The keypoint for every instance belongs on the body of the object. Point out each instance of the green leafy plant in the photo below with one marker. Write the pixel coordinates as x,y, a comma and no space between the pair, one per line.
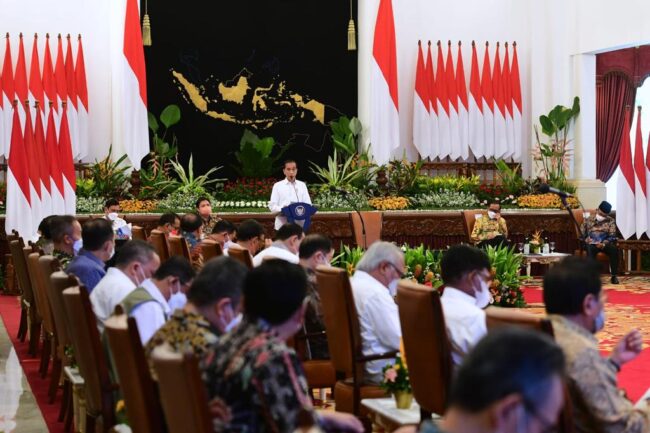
506,281
345,132
180,201
187,182
423,265
340,175
163,148
403,176
90,204
247,189
511,180
325,199
85,187
445,199
447,183
110,177
396,376
347,258
255,158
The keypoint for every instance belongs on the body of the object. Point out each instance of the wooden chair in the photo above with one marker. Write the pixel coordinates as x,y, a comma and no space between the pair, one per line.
178,247
91,359
137,232
426,346
469,219
320,373
210,249
178,375
241,254
11,286
159,242
344,341
29,308
602,258
138,388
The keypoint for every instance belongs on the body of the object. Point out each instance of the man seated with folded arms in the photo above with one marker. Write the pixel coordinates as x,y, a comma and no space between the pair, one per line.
134,262
98,248
191,230
250,236
466,273
66,238
148,303
169,223
373,286
286,245
212,309
251,373
511,382
576,305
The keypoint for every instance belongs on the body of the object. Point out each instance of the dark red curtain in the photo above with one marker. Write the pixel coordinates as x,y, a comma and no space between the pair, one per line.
613,94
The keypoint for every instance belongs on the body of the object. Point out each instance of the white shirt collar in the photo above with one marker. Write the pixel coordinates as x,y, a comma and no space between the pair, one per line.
363,275
155,293
453,293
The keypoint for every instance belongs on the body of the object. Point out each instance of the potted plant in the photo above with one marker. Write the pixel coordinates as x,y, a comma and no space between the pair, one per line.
396,381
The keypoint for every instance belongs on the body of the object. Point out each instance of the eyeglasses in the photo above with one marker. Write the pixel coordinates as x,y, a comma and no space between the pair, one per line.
547,427
399,271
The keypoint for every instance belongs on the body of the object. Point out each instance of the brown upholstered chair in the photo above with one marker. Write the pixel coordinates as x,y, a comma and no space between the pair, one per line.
159,242
426,346
91,359
27,300
320,373
137,232
344,341
210,249
11,286
602,258
138,389
178,375
178,247
469,219
241,254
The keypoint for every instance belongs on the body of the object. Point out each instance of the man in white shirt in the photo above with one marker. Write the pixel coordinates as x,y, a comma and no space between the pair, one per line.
287,191
134,262
121,228
285,247
250,236
466,273
373,283
148,304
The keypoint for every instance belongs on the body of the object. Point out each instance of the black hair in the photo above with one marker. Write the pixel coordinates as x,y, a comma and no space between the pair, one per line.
168,218
223,226
175,266
274,291
111,202
494,201
288,161
287,230
132,251
249,229
44,227
221,277
190,222
201,199
60,226
460,259
95,232
507,361
568,283
312,244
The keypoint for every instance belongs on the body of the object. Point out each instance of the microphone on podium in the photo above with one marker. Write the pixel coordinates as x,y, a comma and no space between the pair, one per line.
545,188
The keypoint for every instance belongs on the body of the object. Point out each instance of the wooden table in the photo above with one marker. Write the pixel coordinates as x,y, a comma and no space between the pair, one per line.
544,259
385,415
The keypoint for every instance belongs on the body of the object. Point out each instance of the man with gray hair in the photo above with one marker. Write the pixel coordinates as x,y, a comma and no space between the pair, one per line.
373,285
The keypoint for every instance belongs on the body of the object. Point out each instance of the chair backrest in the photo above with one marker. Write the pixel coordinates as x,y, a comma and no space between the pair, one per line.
89,355
178,247
496,317
178,375
39,286
138,389
469,219
20,265
210,249
580,218
341,320
137,232
426,345
159,242
241,254
59,281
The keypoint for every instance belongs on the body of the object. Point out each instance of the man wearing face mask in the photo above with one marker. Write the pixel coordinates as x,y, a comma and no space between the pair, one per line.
491,230
98,248
149,303
66,238
250,236
373,285
465,270
212,309
600,232
134,262
575,303
285,247
120,227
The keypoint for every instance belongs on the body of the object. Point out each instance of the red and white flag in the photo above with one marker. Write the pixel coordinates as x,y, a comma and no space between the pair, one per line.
647,182
67,164
454,128
507,93
475,110
73,117
444,133
463,105
8,96
3,143
61,83
421,113
384,133
20,81
640,186
49,83
56,176
500,140
488,105
43,165
517,104
82,105
34,169
18,185
625,201
35,83
433,106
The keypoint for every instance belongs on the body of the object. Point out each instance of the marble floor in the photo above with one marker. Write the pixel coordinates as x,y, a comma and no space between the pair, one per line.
19,411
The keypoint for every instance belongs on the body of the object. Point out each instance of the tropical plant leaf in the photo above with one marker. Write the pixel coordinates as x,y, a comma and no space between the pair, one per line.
171,115
153,123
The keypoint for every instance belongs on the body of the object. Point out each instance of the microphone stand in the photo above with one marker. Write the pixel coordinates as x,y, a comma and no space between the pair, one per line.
356,208
581,234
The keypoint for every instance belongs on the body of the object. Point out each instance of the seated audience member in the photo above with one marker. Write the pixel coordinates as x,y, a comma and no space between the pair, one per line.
286,245
148,303
511,382
315,250
373,285
212,309
111,211
134,263
251,371
191,230
66,238
44,241
221,233
250,236
490,230
204,210
169,223
575,303
466,273
98,248
232,235
600,237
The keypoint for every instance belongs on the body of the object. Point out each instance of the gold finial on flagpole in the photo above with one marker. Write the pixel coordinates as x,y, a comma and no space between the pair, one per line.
352,32
146,26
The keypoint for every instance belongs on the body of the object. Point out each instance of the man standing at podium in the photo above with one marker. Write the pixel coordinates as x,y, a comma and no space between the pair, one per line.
287,191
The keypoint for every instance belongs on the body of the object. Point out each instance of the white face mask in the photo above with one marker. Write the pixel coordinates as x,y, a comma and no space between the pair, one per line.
234,322
112,252
77,245
139,274
599,322
177,301
483,296
392,287
112,216
599,218
492,215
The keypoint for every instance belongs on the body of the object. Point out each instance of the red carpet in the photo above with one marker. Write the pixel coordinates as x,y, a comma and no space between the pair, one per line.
628,305
10,313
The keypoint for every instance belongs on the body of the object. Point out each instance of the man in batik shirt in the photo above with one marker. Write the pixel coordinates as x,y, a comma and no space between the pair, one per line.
66,238
490,229
600,237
